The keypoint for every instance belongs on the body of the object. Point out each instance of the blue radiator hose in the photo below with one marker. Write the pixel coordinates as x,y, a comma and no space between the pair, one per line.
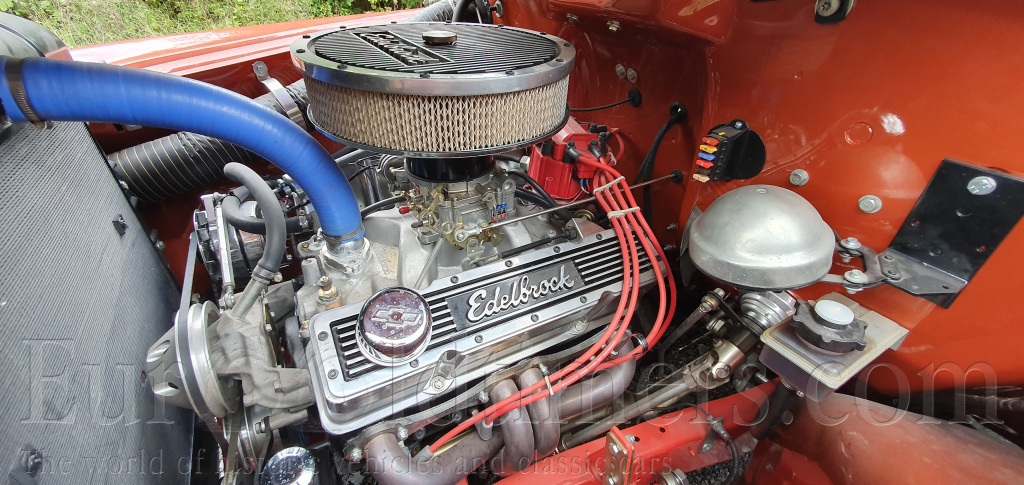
79,91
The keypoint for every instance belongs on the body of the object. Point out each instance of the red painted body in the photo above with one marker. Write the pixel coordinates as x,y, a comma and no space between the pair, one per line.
870,105
666,442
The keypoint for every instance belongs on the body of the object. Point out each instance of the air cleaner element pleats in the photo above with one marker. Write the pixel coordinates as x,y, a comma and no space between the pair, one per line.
388,89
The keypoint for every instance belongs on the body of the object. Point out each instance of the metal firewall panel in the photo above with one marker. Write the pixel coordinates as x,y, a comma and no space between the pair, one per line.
83,295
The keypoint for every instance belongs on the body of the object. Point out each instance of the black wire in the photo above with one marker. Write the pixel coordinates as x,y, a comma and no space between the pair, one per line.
376,206
360,172
598,108
304,204
697,407
677,114
734,470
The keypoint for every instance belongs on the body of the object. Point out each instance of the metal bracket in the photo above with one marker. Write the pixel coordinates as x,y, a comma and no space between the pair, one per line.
444,372
291,110
960,219
618,458
709,438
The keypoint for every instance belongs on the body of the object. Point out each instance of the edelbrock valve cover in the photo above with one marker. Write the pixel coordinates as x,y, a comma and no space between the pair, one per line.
484,319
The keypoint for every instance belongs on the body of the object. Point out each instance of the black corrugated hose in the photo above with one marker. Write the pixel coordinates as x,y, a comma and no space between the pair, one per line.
183,161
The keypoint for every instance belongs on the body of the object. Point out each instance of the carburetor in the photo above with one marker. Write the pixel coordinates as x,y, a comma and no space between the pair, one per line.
452,210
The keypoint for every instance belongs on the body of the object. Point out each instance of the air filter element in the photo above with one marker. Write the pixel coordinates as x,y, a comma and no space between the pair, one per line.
436,90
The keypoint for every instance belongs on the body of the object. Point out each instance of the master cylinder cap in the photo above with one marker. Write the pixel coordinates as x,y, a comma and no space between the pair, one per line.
762,237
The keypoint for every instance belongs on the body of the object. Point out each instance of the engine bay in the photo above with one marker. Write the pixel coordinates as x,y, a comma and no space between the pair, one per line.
422,262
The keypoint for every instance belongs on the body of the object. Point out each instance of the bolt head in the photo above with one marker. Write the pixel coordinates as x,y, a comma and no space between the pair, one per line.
332,374
401,433
855,276
356,455
620,71
799,177
850,243
982,185
631,75
572,19
32,462
870,204
613,26
825,8
438,383
722,372
322,336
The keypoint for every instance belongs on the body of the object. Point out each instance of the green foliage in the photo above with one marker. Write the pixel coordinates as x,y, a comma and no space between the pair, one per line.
89,22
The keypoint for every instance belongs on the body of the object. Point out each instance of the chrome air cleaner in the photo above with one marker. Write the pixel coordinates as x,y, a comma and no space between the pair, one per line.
436,90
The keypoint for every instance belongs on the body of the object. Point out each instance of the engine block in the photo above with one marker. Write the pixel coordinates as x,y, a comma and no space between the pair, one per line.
483,319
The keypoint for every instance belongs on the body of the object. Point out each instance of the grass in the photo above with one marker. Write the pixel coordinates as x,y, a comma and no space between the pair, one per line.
90,22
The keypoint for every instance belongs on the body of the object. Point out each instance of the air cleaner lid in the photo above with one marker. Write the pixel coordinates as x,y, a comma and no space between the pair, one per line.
400,59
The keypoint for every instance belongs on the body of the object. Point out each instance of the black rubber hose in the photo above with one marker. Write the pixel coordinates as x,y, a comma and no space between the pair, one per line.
528,180
460,10
384,204
533,198
231,205
273,249
184,161
550,202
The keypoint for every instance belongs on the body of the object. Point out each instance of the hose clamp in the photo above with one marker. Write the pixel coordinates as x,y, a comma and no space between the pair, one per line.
12,69
263,274
281,94
640,341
